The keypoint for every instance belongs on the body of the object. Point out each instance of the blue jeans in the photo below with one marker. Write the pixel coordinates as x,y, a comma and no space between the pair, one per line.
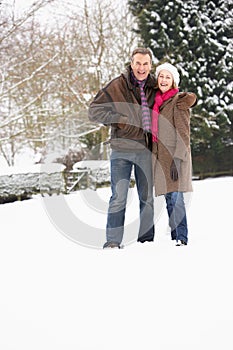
177,216
122,164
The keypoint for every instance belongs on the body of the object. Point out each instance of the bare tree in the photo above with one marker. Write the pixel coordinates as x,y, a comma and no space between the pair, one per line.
110,38
49,74
10,23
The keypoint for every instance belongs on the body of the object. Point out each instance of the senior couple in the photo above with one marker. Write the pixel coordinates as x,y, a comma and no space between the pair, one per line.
150,133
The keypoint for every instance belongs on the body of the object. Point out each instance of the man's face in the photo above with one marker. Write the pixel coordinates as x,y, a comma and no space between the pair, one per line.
141,66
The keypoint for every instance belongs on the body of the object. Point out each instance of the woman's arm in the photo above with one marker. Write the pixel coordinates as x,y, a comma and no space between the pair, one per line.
182,127
186,100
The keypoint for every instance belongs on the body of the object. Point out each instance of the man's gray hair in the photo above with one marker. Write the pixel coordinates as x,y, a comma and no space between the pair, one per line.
141,50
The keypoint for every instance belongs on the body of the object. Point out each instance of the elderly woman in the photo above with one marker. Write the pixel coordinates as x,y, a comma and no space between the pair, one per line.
172,163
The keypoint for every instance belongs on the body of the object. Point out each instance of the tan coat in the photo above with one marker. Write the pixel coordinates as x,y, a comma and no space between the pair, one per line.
173,142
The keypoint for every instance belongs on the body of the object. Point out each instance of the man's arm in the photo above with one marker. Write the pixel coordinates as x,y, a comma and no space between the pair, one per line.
102,110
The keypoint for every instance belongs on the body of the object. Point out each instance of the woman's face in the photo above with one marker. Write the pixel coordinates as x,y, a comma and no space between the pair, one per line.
165,80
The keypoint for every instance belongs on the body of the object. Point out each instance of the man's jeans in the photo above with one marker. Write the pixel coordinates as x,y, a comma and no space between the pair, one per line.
122,164
177,216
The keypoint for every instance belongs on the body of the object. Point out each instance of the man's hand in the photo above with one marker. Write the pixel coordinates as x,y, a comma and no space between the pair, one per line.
175,169
186,100
122,122
121,125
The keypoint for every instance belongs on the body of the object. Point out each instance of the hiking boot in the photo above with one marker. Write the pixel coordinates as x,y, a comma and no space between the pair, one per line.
143,240
180,243
111,245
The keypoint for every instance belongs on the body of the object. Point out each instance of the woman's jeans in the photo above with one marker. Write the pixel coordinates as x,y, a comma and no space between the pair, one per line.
177,216
122,164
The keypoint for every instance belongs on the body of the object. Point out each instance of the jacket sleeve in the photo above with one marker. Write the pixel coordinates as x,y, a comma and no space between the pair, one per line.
102,110
182,126
186,100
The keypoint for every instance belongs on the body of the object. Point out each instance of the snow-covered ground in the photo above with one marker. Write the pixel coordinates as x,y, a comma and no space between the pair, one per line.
58,294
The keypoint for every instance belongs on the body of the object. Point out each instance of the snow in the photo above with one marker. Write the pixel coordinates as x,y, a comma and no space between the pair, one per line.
47,168
26,180
92,164
56,293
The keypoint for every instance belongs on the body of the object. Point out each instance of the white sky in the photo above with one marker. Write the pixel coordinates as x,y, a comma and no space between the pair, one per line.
21,4
27,3
48,13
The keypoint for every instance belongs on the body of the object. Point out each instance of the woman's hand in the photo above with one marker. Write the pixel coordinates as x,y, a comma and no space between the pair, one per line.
175,169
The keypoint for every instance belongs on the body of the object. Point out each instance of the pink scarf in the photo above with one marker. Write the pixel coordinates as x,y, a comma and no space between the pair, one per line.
159,100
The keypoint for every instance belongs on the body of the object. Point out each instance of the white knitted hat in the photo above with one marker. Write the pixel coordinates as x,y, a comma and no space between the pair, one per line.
172,69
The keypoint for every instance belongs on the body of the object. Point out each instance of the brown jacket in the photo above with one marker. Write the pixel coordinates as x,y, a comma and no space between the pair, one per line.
119,104
173,142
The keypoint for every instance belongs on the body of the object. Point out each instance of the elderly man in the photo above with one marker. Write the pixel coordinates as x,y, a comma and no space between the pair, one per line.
125,103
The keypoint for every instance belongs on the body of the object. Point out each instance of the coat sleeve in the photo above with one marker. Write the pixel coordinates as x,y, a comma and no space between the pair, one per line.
186,100
182,126
102,109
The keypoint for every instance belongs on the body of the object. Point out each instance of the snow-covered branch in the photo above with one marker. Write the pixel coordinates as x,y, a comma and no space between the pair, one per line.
33,74
13,119
17,23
